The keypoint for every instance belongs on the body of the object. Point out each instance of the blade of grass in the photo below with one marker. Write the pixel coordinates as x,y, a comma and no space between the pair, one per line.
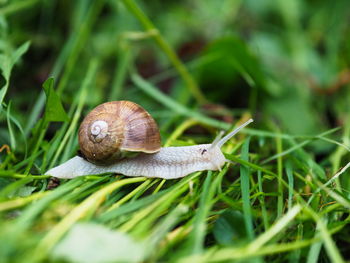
275,229
11,118
298,146
68,58
245,190
160,185
42,131
12,137
13,174
332,179
295,255
328,242
87,206
21,201
28,217
109,216
168,102
256,247
290,177
92,69
337,197
160,232
141,187
124,58
196,237
280,176
142,220
262,203
166,48
10,188
14,7
336,157
180,129
314,252
32,212
248,164
54,111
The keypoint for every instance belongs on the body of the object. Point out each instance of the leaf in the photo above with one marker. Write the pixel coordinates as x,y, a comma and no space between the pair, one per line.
230,58
54,110
4,182
88,242
291,109
229,228
23,191
7,61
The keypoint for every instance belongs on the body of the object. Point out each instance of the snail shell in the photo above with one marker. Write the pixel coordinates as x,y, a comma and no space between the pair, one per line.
115,130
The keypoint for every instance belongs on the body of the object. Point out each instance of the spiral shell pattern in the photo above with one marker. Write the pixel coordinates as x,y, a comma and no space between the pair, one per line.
115,130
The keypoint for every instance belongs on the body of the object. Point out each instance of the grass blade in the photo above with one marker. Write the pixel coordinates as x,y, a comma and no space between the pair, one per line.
245,190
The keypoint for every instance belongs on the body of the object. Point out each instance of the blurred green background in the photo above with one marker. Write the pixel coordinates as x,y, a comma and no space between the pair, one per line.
286,61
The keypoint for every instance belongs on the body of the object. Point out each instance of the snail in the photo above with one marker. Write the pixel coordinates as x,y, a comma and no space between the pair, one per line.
121,137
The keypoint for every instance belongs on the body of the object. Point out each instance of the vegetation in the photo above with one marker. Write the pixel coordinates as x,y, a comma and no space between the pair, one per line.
198,67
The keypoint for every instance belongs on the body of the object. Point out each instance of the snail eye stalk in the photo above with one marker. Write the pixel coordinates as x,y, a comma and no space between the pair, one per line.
222,141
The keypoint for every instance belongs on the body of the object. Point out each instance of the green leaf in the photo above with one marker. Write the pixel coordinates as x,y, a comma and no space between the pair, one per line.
7,61
228,228
230,57
88,242
54,110
23,191
4,182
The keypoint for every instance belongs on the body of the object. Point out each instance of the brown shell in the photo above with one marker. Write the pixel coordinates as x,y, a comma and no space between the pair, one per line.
130,129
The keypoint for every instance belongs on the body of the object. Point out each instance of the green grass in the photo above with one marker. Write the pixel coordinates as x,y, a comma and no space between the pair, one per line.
283,63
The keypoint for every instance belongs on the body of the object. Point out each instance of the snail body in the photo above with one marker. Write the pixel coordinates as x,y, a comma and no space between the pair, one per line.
166,163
